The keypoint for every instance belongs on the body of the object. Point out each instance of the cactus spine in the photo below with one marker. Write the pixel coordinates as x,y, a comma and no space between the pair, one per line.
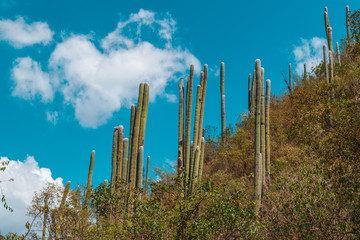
338,53
258,161
135,137
181,126
139,175
119,154
132,121
88,187
326,63
125,159
222,95
267,132
189,87
114,158
348,25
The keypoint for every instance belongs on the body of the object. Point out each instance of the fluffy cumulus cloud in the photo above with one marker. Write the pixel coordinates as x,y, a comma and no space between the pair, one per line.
309,52
28,179
20,34
52,117
97,81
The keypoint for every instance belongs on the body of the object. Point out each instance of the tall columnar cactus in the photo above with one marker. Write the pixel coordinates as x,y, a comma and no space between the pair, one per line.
147,175
262,126
144,111
114,158
180,163
139,175
348,25
327,25
61,209
46,213
267,133
202,154
195,169
222,95
193,164
249,92
132,121
135,137
257,159
202,107
331,67
88,187
305,72
253,94
290,78
330,43
338,53
189,90
326,63
119,158
125,159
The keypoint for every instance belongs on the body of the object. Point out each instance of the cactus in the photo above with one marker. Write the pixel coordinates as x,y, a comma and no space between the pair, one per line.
222,95
253,94
140,161
327,25
325,63
144,111
203,95
147,175
331,67
257,170
338,53
189,90
132,121
114,158
249,92
88,187
125,159
290,78
305,72
262,125
330,43
348,25
181,126
60,210
119,154
46,212
196,164
267,133
135,137
202,154
193,165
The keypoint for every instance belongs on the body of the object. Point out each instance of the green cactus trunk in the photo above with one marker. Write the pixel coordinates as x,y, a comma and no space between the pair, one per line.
338,53
290,79
132,122
114,158
88,187
305,72
326,63
147,176
262,126
202,107
60,210
180,163
189,90
253,94
125,159
331,67
249,92
222,95
135,137
196,168
330,43
193,164
348,25
139,175
327,25
46,213
202,154
267,133
119,158
258,161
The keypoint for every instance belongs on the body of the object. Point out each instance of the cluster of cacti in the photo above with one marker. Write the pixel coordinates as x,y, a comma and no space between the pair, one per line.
262,135
191,156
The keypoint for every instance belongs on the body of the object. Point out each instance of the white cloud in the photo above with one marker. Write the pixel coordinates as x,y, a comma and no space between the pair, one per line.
309,52
98,82
170,97
52,117
20,34
30,81
28,179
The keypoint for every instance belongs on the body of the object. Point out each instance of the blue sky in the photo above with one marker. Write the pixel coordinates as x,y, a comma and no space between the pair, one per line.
69,70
